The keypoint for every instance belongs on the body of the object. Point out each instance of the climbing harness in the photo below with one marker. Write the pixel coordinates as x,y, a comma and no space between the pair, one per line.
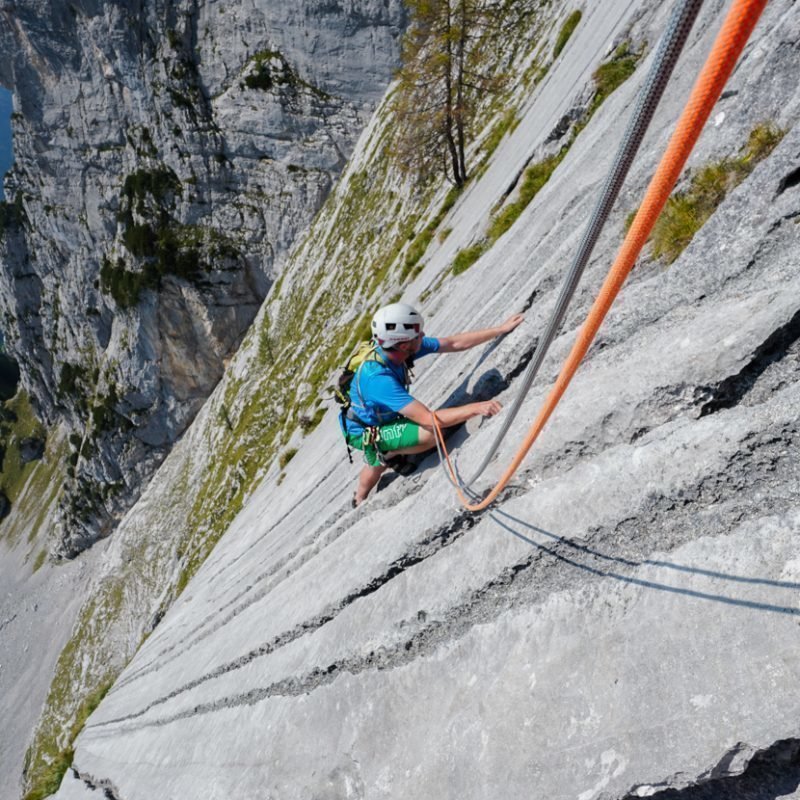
728,46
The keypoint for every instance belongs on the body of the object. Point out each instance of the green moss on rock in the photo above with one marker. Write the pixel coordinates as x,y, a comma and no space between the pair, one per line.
567,29
689,209
160,183
12,215
269,69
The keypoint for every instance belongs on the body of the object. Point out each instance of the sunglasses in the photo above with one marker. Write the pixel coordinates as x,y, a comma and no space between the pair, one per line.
407,326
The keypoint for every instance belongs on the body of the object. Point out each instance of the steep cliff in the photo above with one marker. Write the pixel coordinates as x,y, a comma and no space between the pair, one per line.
622,622
6,154
167,155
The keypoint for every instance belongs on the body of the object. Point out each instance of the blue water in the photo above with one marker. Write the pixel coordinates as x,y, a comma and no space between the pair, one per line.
6,155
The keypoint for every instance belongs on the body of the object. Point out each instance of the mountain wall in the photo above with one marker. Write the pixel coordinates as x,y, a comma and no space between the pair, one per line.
622,623
167,154
6,154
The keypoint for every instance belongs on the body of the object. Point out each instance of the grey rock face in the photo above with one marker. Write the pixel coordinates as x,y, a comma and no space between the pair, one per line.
167,156
623,621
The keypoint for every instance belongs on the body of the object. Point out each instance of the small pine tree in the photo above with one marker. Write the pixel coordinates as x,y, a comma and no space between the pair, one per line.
448,66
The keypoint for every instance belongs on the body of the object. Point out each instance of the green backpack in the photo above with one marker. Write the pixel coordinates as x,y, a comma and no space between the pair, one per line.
365,351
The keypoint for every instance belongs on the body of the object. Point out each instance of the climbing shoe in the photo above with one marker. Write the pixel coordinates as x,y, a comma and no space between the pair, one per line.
402,465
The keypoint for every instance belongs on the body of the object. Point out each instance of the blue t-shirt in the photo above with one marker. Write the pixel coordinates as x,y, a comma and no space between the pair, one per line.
377,392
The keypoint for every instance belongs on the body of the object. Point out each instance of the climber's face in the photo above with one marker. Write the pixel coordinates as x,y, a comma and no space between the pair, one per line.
410,347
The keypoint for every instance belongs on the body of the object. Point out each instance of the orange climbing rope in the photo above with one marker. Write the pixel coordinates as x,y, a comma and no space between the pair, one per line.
728,46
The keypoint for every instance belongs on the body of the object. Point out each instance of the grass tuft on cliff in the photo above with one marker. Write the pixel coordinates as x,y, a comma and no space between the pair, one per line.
24,480
613,73
567,29
688,210
50,771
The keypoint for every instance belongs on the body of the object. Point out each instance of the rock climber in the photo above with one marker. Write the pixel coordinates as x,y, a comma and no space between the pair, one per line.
383,417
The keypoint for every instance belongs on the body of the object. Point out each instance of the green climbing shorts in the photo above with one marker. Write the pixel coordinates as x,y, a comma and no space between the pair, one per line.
394,436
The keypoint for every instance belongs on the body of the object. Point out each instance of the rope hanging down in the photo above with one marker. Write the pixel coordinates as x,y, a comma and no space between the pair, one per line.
672,42
728,46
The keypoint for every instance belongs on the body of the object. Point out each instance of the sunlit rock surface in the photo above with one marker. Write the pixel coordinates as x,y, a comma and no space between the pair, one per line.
624,620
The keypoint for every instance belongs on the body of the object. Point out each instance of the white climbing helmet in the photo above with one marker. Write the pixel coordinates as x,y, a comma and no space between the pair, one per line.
396,323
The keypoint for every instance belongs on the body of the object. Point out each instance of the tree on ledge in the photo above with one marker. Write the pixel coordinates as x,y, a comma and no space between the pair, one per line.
447,68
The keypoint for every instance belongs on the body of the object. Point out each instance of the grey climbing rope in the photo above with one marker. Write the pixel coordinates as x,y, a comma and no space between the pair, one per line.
672,42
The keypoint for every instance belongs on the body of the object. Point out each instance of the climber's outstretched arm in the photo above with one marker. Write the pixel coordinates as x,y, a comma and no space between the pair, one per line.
447,417
463,341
